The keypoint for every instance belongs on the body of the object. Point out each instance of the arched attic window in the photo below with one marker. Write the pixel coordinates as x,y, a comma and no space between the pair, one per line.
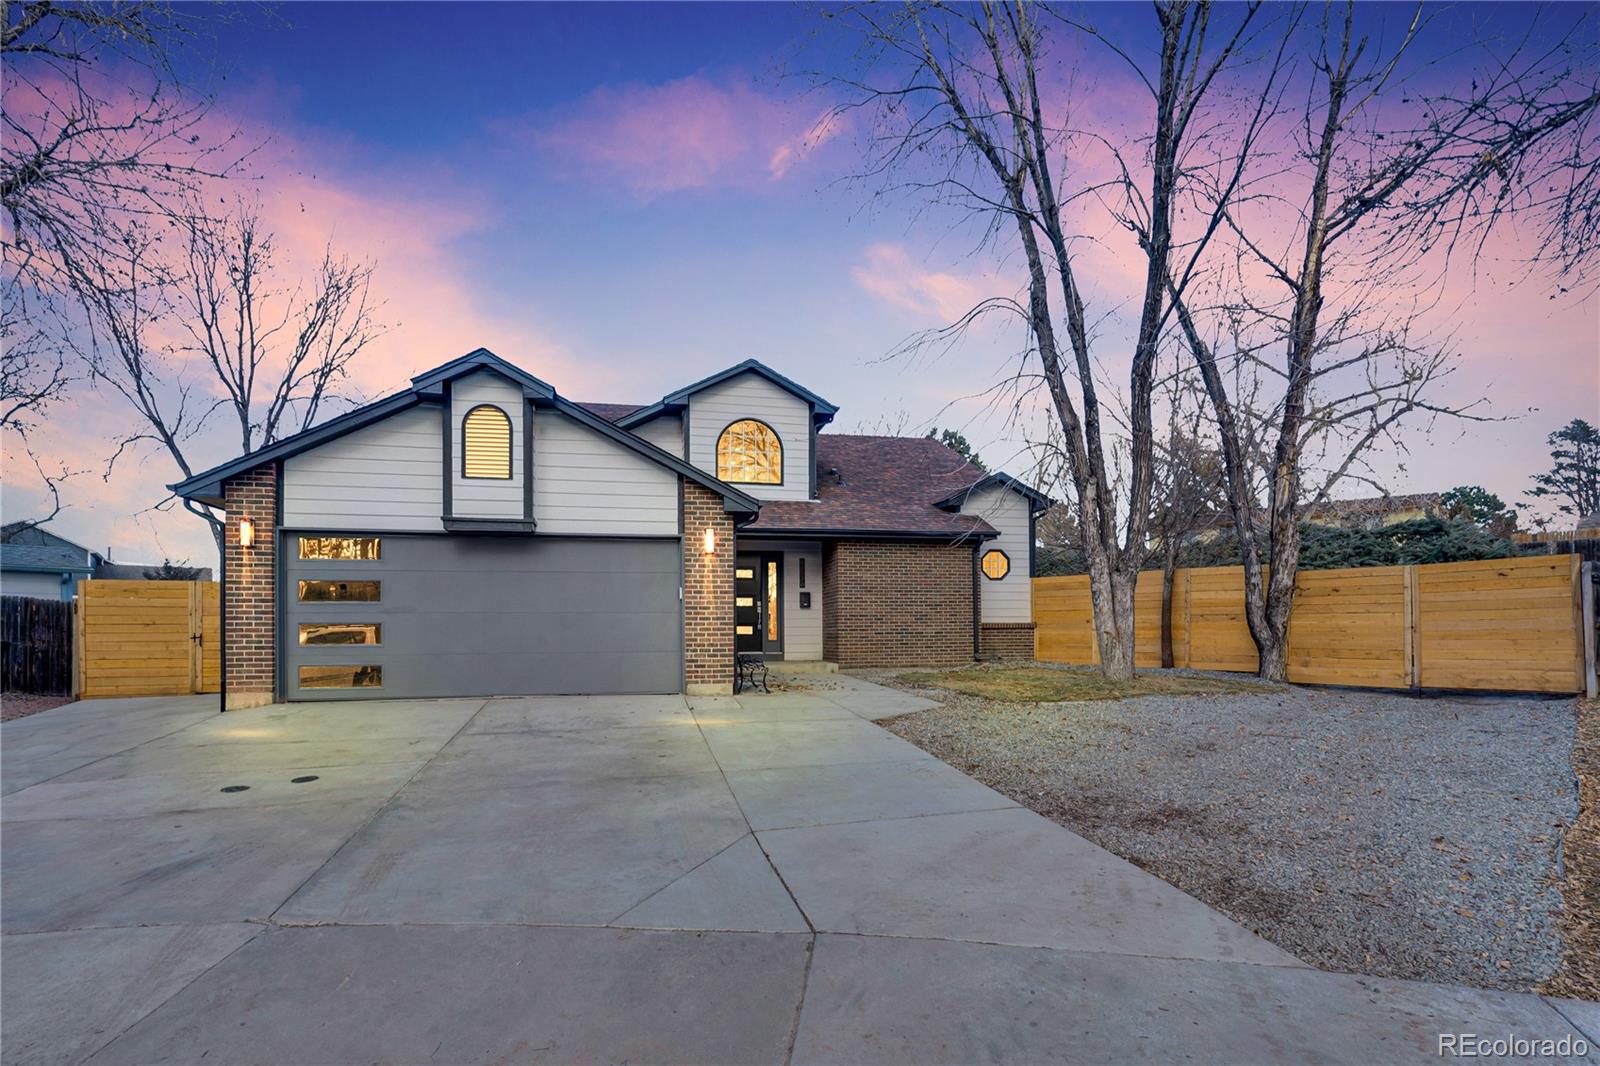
486,443
750,453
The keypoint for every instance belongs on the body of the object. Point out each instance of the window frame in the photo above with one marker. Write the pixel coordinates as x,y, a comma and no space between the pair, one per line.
994,551
511,444
716,451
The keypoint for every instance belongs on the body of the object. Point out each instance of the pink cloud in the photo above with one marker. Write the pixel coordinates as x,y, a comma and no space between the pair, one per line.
693,133
893,276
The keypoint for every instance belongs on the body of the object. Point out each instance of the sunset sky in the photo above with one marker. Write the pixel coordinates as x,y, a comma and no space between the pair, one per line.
623,198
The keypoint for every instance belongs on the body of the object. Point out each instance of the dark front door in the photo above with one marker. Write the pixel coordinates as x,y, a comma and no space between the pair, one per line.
747,579
757,604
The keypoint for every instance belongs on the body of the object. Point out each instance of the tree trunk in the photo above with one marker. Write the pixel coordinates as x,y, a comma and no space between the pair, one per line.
1111,591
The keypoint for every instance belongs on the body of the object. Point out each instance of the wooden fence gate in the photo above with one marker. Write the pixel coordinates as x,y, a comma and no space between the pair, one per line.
148,638
1501,624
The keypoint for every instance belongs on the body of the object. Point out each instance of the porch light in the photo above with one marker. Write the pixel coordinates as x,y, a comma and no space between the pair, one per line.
247,532
709,543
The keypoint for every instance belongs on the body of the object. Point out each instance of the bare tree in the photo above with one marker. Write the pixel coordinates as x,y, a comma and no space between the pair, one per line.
973,89
89,149
275,355
1366,203
1187,493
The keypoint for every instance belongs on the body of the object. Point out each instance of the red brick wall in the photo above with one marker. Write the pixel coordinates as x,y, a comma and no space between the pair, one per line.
896,603
250,589
1006,640
707,593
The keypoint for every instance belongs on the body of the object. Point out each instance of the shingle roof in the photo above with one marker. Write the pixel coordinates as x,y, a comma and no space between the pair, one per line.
881,485
44,558
609,411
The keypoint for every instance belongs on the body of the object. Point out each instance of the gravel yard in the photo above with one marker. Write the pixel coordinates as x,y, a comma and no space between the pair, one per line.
1373,832
21,704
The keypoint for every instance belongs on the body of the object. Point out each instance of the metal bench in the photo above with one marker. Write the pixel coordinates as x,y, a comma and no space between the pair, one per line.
749,670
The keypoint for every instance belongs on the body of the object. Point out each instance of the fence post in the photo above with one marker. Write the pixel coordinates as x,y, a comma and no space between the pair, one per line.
1413,657
1591,686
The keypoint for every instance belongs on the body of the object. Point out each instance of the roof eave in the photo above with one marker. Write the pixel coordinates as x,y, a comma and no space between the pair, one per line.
954,501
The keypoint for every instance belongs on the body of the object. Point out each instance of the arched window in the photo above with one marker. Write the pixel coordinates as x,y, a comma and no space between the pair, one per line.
486,443
749,452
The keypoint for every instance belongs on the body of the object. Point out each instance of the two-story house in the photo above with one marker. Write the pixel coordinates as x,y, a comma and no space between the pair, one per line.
480,534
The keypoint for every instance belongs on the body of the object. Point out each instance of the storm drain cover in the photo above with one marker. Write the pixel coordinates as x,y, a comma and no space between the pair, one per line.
302,780
235,788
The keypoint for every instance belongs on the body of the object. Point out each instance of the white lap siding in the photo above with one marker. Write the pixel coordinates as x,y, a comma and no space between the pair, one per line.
486,497
749,395
386,476
1011,598
665,432
584,482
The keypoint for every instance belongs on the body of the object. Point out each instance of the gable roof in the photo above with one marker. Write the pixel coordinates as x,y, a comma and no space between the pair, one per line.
206,486
27,547
956,500
880,486
822,411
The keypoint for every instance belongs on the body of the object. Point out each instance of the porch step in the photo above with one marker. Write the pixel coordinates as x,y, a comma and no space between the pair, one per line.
804,666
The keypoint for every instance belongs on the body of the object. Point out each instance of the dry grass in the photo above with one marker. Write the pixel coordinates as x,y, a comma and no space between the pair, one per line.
1579,976
1041,684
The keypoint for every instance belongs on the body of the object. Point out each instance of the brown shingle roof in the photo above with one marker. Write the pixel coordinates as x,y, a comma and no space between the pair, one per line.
609,411
881,485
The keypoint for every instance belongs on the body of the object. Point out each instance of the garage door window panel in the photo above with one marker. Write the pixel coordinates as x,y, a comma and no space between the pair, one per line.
340,676
340,633
341,549
317,590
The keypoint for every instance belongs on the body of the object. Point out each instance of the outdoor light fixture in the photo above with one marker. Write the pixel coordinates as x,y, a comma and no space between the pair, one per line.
247,532
710,541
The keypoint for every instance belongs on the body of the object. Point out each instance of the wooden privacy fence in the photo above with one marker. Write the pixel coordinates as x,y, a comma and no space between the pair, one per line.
148,638
1504,624
35,646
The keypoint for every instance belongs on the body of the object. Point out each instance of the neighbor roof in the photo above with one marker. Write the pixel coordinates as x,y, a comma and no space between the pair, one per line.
44,558
207,485
880,486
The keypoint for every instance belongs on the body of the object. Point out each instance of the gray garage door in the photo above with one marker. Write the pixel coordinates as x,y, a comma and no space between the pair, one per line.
481,616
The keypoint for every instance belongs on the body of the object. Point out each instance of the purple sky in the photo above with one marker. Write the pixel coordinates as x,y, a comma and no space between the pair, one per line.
622,199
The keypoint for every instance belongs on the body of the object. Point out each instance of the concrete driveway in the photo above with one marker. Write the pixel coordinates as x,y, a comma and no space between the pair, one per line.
754,879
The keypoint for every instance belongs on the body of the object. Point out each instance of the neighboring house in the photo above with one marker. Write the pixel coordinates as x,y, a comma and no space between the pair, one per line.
1375,512
106,570
480,534
35,562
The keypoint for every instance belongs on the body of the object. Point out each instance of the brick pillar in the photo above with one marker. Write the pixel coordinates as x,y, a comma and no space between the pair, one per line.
250,638
707,594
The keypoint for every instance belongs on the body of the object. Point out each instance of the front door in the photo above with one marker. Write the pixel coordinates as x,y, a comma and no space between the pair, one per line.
757,604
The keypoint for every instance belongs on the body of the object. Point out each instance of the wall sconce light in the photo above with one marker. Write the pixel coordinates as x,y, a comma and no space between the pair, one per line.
247,532
709,543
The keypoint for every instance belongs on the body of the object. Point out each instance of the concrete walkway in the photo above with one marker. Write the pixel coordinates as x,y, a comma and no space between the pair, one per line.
751,879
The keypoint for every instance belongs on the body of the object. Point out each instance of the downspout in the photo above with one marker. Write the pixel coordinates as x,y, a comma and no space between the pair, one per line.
975,547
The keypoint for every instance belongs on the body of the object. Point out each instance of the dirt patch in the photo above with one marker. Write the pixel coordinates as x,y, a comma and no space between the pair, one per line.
1364,831
20,705
1580,888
